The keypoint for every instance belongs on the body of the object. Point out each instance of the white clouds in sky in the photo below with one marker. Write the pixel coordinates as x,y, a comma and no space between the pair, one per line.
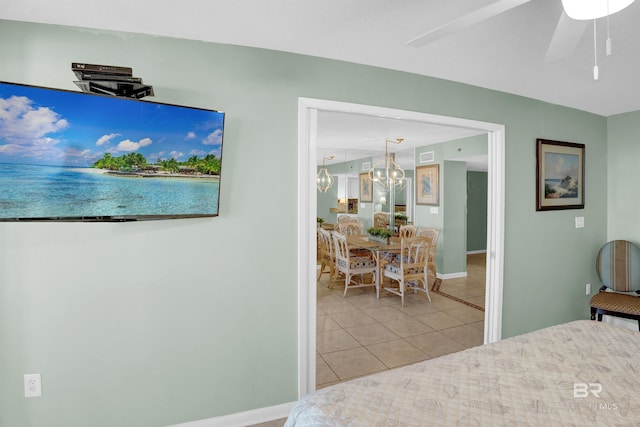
25,126
214,138
176,154
128,145
106,138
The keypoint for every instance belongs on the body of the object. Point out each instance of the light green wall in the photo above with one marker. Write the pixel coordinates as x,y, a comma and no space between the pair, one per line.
476,211
450,217
623,156
155,323
623,152
453,239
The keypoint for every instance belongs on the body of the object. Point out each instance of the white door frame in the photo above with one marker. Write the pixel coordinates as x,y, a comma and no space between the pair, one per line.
307,211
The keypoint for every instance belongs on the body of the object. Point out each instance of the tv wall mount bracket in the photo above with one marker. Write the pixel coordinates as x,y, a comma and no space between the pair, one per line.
110,80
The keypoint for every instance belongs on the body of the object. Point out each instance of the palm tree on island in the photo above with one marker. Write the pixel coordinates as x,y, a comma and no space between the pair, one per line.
135,164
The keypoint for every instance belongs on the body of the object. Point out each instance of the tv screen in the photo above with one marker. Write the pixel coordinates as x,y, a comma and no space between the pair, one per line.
74,156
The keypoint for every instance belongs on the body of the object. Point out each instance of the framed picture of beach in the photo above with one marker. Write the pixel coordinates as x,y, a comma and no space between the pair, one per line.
74,156
428,185
559,175
366,188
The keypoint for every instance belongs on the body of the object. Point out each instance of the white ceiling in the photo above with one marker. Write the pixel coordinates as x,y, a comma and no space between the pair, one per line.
365,136
505,52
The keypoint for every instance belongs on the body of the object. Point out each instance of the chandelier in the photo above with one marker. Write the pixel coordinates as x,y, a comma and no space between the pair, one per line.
391,175
324,180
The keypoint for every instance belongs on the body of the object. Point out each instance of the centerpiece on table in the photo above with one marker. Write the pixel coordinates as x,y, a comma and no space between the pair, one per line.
401,217
380,235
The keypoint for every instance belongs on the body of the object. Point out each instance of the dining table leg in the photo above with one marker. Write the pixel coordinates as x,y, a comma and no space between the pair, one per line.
378,273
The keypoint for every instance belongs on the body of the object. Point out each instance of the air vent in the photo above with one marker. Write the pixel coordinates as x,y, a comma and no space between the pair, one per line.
427,157
366,166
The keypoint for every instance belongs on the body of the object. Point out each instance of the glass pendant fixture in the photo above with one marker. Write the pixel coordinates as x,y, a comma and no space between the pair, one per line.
391,174
324,180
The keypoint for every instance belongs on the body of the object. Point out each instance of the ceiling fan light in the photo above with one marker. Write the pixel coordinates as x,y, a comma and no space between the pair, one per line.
593,9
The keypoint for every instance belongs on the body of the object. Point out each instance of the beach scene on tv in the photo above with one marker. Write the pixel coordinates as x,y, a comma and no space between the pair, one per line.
71,155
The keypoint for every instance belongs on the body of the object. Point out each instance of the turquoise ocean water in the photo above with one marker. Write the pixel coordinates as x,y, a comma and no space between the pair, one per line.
34,191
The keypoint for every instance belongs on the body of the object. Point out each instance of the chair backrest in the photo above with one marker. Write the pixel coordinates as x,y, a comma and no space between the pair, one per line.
346,219
351,229
407,231
414,253
341,250
381,220
325,242
431,233
618,266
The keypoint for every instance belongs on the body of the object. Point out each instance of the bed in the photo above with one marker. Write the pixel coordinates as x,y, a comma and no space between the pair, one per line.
582,373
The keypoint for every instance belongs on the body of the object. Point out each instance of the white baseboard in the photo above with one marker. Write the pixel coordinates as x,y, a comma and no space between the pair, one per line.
452,275
481,251
243,419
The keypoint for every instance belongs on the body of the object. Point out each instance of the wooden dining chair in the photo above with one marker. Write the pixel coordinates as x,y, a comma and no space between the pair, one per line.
346,219
381,220
407,230
353,265
433,234
409,269
326,255
351,228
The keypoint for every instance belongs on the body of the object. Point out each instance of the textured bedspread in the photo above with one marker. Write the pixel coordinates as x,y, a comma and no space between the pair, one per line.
582,373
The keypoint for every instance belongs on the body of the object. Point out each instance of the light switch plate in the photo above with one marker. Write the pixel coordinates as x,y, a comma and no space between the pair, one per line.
434,210
579,222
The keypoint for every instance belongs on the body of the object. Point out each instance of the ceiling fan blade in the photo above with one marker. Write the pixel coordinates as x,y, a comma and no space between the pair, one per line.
466,21
566,37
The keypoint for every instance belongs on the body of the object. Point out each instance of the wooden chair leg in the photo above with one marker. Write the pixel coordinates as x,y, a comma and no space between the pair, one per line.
320,271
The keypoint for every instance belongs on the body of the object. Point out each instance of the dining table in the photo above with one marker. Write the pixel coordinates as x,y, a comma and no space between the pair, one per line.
380,251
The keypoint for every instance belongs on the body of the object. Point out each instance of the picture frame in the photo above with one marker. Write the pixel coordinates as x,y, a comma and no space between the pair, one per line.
559,175
366,188
428,185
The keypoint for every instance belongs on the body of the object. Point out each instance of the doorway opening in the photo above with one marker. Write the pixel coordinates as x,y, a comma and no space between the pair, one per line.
307,144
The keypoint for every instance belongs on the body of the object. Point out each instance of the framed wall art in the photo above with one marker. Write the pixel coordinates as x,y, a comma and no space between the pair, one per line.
366,188
428,185
559,175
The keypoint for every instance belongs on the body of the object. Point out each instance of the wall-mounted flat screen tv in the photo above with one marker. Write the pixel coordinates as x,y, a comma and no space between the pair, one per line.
75,156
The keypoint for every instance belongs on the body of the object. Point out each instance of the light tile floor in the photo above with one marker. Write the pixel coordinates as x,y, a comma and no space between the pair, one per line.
359,335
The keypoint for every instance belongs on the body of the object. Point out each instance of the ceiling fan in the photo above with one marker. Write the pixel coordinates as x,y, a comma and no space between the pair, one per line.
572,23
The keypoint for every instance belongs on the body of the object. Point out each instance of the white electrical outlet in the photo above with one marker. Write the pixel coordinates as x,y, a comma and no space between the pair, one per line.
32,385
588,289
